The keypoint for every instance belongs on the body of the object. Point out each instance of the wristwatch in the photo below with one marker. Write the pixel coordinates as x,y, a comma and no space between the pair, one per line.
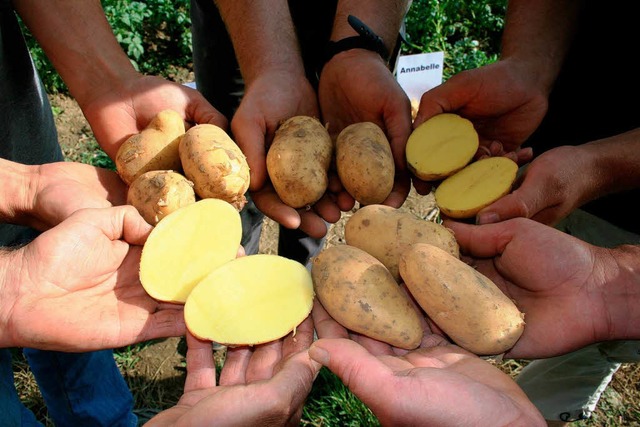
366,39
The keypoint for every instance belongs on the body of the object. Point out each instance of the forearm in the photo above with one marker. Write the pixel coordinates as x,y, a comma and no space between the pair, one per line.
620,275
80,43
17,184
263,36
383,17
538,34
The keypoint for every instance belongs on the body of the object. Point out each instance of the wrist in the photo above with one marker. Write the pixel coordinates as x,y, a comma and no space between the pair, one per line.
17,192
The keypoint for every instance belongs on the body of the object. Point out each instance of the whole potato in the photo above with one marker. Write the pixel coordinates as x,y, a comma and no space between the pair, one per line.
215,164
154,148
359,293
298,161
384,232
464,303
365,163
155,194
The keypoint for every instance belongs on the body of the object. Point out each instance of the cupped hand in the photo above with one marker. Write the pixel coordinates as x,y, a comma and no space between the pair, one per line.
266,385
552,186
436,385
76,286
554,279
127,109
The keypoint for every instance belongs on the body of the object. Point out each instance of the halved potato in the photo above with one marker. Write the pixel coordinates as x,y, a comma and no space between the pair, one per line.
251,300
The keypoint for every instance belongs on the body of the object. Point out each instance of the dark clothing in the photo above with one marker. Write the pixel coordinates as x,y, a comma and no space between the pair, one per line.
597,95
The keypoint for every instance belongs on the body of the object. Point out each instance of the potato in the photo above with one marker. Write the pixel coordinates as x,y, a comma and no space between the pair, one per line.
251,300
360,294
298,161
155,194
186,246
441,146
365,163
481,183
154,148
215,164
384,232
465,304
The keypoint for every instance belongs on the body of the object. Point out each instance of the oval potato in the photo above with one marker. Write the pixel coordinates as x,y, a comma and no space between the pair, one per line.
464,303
385,232
359,293
365,163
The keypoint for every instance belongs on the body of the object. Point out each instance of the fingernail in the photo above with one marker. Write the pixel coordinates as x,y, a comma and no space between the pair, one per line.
487,218
319,354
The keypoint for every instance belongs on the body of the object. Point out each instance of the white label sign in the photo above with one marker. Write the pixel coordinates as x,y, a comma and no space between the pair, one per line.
418,73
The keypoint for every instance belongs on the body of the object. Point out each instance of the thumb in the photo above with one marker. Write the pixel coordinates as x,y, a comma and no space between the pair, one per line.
524,202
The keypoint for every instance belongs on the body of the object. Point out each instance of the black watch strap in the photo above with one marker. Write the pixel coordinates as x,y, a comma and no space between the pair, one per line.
366,39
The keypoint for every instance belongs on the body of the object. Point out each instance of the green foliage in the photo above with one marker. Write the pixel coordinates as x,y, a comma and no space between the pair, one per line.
468,32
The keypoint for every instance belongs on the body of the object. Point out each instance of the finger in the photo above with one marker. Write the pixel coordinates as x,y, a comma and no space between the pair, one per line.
235,365
167,322
263,361
483,241
312,224
251,140
268,202
201,370
399,192
325,326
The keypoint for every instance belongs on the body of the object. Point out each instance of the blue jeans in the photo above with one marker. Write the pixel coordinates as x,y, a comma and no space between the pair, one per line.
79,389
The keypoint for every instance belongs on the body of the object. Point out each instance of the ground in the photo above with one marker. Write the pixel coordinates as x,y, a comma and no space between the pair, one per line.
156,372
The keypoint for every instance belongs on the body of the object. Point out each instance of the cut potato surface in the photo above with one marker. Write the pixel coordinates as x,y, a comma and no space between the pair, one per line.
186,246
441,146
465,193
251,300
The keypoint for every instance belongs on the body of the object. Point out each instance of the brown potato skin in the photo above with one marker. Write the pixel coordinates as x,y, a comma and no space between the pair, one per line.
155,194
365,163
359,293
215,164
154,148
465,304
298,161
385,232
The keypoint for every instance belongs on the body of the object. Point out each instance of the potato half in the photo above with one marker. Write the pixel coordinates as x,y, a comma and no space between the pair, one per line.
441,146
465,193
251,300
186,246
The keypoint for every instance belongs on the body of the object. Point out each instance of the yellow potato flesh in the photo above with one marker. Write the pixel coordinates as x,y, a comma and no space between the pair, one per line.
187,245
465,193
441,146
250,300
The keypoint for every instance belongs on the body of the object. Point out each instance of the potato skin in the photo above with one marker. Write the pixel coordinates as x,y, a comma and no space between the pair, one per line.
465,304
360,294
365,163
298,161
385,232
215,164
155,194
154,148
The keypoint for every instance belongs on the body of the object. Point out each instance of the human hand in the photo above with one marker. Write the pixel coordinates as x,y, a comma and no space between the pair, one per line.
59,189
270,99
356,86
76,286
264,386
128,108
438,384
556,280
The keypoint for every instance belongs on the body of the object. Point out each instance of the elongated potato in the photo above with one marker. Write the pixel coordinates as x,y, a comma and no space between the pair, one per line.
384,232
215,164
250,300
186,246
155,194
464,303
154,148
359,293
441,146
365,163
484,181
298,161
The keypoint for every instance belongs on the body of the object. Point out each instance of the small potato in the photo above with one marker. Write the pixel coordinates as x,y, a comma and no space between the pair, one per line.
154,148
215,164
155,194
365,163
298,161
465,304
384,232
359,293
